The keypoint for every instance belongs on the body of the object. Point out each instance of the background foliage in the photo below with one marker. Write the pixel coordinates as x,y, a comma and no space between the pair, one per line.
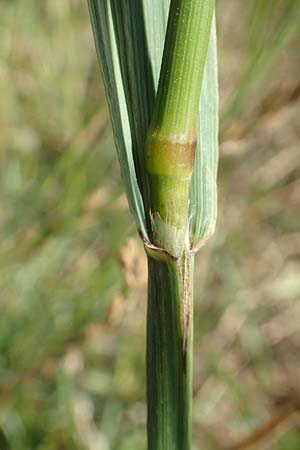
72,305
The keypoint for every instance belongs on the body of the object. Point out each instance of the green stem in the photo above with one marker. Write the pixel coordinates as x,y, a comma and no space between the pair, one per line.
171,139
177,101
169,351
170,149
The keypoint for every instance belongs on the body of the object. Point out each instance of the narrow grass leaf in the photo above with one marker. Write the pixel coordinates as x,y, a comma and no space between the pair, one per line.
203,189
129,39
108,56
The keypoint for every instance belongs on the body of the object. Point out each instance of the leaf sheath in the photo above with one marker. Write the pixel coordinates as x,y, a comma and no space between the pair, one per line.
169,352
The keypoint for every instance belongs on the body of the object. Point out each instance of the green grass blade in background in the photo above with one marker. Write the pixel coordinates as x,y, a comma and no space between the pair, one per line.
203,189
267,24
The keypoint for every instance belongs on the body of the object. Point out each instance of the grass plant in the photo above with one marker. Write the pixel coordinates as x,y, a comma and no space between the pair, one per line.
153,71
72,338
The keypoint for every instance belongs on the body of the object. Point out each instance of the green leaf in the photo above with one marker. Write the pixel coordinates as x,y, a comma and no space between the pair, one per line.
181,75
203,189
129,38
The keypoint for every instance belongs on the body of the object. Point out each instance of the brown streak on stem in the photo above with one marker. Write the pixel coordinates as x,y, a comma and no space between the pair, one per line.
186,307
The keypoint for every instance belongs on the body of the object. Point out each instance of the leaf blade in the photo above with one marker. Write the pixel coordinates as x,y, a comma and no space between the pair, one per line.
203,189
106,47
129,38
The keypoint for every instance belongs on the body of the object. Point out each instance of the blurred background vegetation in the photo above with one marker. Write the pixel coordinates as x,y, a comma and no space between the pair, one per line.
73,274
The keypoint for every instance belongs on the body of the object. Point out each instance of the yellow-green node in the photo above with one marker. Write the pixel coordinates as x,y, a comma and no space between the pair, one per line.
170,154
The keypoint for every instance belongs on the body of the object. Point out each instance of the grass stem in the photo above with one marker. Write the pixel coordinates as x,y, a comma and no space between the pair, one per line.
169,352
